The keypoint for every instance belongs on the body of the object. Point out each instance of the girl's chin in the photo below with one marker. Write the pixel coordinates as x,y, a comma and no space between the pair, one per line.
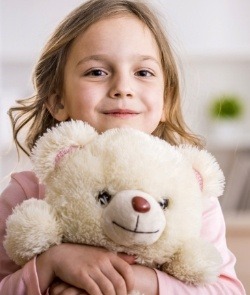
124,125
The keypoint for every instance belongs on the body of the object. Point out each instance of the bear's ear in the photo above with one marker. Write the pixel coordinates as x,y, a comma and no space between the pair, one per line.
207,170
58,141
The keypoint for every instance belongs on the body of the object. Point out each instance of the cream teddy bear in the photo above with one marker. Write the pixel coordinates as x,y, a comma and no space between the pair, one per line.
123,190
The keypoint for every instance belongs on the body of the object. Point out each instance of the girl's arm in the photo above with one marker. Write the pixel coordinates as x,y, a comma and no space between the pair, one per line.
13,279
147,283
213,230
90,268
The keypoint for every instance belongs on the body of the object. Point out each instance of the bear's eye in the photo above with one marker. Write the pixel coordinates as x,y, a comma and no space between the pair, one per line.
164,203
104,198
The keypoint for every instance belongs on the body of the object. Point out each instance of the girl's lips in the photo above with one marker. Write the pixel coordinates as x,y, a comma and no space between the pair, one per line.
121,113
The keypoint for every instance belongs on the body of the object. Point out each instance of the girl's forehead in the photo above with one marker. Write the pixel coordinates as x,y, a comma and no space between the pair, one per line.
122,32
117,24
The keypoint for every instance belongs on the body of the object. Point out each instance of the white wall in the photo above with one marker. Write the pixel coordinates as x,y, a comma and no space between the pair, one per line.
203,27
211,27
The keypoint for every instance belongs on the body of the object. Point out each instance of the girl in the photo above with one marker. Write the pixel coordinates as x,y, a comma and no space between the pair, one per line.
109,64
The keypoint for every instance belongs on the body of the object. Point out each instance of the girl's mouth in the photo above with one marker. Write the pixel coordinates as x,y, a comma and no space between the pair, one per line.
121,113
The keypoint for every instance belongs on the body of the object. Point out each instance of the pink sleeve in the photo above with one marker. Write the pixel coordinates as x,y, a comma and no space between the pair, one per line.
213,230
13,279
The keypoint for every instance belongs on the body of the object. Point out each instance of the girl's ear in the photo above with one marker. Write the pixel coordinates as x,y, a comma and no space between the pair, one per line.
57,108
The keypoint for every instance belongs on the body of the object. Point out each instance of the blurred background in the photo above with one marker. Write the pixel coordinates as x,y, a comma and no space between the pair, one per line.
212,42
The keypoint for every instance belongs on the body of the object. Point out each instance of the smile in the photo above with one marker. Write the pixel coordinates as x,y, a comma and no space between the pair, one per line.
121,113
135,230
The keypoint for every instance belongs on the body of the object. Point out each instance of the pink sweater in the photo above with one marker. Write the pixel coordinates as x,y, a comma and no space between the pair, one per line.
24,281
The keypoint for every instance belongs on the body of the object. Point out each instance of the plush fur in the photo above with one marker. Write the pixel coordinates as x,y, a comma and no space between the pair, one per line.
124,190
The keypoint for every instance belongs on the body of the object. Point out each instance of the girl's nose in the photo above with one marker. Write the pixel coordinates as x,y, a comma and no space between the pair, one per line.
140,204
121,88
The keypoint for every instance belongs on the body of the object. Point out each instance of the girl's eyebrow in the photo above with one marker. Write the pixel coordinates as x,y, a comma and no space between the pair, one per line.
150,58
100,57
104,57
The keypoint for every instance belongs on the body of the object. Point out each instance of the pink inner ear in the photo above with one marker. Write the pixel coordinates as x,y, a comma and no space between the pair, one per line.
63,152
199,178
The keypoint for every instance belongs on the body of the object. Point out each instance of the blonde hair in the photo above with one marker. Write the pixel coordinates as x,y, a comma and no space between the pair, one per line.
49,73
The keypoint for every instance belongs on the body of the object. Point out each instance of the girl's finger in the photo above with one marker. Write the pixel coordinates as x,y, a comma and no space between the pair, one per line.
61,288
105,282
125,270
90,286
57,287
116,280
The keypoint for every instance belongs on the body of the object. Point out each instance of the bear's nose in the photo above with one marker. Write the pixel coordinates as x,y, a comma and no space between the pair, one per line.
140,204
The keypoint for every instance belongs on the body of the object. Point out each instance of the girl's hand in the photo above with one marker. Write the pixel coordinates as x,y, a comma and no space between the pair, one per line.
92,269
145,281
61,288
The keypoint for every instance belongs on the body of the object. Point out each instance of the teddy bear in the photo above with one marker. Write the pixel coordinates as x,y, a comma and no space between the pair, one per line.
123,190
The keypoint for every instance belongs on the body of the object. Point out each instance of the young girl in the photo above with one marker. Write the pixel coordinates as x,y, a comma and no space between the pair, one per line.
109,64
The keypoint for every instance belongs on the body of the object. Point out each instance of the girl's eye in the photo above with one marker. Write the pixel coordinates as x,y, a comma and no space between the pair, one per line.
144,73
104,198
96,73
164,203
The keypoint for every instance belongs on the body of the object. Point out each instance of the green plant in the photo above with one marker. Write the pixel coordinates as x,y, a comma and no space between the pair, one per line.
227,107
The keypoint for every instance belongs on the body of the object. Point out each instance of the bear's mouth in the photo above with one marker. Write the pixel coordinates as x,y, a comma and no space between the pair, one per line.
135,229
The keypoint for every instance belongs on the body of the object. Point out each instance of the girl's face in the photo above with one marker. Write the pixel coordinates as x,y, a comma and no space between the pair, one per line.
113,77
